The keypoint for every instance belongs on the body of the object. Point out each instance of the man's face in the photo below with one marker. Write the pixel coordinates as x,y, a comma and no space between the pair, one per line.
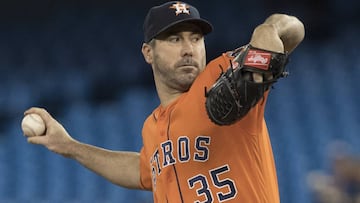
179,56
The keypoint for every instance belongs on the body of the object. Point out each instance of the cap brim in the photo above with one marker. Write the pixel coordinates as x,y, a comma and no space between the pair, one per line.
204,26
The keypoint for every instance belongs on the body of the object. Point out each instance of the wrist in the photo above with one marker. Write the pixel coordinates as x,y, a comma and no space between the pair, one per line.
72,149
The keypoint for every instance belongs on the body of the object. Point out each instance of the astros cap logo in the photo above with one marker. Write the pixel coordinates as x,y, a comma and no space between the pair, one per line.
159,18
180,8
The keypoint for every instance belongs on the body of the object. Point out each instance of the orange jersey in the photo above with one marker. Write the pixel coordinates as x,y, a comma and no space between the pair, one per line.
186,158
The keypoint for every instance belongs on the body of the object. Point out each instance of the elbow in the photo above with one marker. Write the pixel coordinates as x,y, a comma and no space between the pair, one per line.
291,30
295,34
298,29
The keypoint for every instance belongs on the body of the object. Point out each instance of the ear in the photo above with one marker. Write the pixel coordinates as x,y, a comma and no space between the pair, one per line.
147,52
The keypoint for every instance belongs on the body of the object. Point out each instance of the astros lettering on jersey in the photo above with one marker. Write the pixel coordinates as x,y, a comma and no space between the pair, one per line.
187,158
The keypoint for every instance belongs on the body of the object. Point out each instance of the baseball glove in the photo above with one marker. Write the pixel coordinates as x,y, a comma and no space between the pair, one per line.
235,92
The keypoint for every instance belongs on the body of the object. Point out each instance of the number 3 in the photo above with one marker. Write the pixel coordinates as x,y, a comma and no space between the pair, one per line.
204,189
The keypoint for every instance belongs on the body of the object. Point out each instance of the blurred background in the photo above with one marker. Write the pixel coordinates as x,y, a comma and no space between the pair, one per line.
81,60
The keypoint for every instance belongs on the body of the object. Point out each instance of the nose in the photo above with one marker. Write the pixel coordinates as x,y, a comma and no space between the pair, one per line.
187,48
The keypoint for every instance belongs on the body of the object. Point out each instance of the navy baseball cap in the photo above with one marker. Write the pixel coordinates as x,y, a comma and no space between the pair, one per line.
160,18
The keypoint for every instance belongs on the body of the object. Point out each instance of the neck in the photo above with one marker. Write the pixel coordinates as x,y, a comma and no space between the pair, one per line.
166,95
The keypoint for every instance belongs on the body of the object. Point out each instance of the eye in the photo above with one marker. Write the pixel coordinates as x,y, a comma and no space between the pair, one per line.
196,37
174,38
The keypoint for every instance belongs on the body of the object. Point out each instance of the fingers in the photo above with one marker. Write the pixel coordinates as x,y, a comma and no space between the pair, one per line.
258,78
41,112
40,140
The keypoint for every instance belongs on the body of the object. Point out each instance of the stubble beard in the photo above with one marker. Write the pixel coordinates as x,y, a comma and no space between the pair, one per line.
176,78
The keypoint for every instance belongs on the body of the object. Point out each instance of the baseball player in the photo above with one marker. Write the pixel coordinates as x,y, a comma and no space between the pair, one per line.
207,141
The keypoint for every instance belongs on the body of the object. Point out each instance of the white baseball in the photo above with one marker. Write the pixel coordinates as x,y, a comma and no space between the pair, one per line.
33,125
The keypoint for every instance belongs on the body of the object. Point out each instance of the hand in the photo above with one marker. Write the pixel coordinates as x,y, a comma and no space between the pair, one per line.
56,138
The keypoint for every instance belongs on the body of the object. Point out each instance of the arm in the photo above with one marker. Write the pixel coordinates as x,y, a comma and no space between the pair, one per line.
278,33
120,168
254,69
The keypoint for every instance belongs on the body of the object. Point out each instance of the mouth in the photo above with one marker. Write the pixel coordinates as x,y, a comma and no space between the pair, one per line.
188,68
187,63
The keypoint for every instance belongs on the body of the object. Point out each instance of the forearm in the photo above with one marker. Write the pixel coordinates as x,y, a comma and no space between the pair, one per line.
279,33
119,167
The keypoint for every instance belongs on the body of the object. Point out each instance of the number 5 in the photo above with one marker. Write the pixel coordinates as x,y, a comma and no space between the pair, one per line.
204,189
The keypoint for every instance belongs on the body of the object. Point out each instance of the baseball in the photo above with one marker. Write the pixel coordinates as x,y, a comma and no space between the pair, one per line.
33,125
